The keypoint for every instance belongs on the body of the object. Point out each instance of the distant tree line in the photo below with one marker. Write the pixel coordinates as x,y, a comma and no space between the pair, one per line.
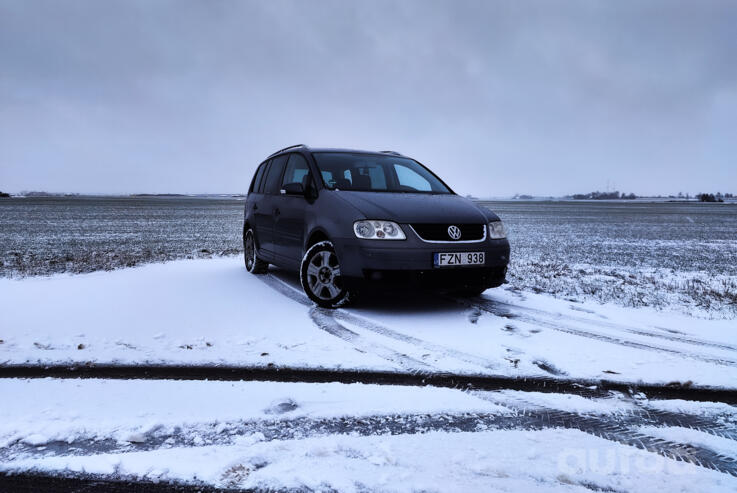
604,196
710,197
36,194
4,195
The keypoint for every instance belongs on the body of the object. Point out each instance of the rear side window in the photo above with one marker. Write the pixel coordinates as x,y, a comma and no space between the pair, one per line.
273,176
262,183
297,169
256,183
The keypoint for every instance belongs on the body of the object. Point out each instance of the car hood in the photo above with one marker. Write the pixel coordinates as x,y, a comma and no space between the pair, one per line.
417,207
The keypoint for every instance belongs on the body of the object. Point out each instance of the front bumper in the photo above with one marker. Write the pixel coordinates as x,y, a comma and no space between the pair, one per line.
410,261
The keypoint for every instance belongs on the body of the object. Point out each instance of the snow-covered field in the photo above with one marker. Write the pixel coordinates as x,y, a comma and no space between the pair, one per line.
357,437
672,256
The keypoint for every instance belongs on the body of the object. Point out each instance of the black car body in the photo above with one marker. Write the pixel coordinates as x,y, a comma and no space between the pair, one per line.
344,208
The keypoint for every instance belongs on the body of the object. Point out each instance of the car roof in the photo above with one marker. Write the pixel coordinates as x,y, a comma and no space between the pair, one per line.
352,151
332,149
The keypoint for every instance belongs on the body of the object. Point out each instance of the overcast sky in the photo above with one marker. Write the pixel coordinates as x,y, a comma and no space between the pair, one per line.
497,97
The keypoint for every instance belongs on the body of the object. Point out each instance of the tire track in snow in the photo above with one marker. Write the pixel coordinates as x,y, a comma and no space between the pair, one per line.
280,286
499,309
683,420
507,311
228,433
622,429
522,415
429,346
324,319
341,314
615,326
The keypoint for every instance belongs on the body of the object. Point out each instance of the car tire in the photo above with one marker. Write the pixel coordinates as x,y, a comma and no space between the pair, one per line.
320,276
254,265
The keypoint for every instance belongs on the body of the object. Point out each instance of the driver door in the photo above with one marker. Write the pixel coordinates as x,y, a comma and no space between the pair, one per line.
289,229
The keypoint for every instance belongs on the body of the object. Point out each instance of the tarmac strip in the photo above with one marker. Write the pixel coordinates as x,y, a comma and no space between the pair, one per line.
586,388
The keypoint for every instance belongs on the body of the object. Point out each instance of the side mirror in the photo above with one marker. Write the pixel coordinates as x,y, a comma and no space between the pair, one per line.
292,189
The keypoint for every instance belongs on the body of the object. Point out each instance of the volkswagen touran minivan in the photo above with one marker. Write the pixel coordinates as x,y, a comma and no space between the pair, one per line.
348,219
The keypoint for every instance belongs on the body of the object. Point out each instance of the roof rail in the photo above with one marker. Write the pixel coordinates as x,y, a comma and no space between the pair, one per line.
393,153
285,149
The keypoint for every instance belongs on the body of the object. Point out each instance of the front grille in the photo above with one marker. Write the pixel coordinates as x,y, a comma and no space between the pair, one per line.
439,232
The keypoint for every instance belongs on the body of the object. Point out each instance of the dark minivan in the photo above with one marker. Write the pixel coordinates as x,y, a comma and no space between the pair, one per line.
349,219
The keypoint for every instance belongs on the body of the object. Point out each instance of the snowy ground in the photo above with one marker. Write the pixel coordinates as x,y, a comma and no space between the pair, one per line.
357,437
212,312
363,437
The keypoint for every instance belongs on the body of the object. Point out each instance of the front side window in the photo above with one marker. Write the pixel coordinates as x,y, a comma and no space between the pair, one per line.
407,177
376,173
297,170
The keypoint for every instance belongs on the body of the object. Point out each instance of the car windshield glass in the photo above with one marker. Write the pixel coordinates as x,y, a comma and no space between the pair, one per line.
376,173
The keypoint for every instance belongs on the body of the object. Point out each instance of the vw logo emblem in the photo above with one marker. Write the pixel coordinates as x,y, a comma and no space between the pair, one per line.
454,232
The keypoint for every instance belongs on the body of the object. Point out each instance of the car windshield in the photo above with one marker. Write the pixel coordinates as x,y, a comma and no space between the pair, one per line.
376,173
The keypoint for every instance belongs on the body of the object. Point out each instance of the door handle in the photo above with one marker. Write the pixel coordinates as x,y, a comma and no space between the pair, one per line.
255,207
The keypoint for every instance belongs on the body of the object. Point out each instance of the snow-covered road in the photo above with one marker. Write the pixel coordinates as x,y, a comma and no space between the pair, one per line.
364,437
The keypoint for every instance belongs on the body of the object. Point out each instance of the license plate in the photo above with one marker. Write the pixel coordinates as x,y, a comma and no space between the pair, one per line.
458,259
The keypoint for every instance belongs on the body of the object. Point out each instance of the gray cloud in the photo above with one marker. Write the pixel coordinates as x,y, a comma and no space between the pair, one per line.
498,97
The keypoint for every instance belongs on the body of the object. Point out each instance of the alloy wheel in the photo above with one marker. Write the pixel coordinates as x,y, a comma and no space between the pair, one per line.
323,275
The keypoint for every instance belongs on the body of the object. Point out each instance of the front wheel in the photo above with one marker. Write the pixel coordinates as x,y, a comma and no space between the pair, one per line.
320,276
254,265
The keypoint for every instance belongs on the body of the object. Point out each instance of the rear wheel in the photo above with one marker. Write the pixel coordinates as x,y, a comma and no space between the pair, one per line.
254,265
320,276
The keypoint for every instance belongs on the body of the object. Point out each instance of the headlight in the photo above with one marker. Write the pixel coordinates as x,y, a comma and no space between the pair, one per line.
497,231
372,229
